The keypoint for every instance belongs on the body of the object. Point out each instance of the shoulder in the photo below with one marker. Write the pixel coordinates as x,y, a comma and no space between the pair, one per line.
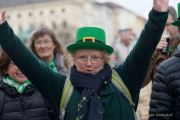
170,63
169,70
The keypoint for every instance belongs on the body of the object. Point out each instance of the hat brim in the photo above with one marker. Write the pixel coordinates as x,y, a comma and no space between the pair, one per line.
176,23
89,45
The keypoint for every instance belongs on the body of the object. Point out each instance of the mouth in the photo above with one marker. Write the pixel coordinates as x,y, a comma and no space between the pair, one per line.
90,71
20,75
43,51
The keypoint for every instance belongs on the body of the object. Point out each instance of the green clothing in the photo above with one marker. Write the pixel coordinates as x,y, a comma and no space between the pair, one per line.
19,87
50,83
52,65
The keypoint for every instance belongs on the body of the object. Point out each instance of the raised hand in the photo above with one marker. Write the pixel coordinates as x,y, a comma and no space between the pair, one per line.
2,17
161,5
163,42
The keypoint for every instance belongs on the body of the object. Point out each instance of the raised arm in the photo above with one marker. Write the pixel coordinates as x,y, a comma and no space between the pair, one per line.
49,83
135,67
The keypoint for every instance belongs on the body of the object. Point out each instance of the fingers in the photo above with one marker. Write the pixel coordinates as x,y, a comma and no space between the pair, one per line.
162,44
161,5
2,17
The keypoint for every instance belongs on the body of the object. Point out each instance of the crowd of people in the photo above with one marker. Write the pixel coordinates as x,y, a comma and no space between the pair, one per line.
91,80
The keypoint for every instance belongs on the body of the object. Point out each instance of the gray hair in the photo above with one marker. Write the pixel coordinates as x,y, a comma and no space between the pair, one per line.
173,13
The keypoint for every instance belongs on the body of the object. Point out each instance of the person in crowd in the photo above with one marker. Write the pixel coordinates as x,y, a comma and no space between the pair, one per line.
45,45
164,103
98,91
164,50
19,99
125,42
115,59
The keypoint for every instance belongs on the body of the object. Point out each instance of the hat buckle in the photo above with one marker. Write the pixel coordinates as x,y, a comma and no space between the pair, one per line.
92,39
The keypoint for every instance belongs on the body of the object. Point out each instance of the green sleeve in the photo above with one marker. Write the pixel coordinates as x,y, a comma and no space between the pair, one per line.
135,67
49,83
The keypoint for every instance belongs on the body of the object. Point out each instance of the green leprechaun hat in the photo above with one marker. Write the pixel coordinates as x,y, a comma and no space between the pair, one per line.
90,38
177,23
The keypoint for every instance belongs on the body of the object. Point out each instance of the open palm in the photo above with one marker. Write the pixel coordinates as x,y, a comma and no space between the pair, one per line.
160,5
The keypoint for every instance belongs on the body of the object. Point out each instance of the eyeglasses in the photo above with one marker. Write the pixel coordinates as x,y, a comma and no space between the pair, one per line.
45,42
93,59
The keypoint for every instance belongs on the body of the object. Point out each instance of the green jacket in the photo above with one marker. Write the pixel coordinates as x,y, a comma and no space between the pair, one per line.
51,83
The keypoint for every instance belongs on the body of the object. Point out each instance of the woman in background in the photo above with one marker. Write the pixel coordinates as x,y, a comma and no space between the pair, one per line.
20,99
45,45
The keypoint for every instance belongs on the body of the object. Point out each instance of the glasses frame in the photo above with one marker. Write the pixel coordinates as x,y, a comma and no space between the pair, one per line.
93,59
45,42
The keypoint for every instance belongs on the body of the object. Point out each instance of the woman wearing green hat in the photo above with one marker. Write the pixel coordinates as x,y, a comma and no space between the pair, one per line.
97,91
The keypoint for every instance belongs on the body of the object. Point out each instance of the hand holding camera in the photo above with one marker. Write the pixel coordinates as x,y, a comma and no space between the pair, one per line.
163,44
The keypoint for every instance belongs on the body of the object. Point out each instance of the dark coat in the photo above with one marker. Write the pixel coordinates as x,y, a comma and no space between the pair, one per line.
29,105
165,98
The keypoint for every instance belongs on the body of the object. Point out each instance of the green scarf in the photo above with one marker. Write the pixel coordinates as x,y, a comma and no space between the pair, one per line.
19,87
52,65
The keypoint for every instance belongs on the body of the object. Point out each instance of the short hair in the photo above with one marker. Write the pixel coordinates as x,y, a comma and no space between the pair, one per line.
173,13
4,63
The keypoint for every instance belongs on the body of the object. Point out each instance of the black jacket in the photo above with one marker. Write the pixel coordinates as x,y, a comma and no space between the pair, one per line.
165,98
27,106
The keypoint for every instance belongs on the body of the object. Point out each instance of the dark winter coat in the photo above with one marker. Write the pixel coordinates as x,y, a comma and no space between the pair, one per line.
29,105
165,98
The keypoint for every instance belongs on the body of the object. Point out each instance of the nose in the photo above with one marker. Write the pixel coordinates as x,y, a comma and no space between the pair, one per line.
42,45
16,67
89,63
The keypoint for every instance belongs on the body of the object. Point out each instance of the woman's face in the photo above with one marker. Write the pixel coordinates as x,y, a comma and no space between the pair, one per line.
88,60
44,47
14,72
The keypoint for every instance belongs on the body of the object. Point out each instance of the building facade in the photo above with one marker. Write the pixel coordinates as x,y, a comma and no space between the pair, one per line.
65,16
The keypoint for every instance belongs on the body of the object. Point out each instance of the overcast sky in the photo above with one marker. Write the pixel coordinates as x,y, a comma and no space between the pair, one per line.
141,7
